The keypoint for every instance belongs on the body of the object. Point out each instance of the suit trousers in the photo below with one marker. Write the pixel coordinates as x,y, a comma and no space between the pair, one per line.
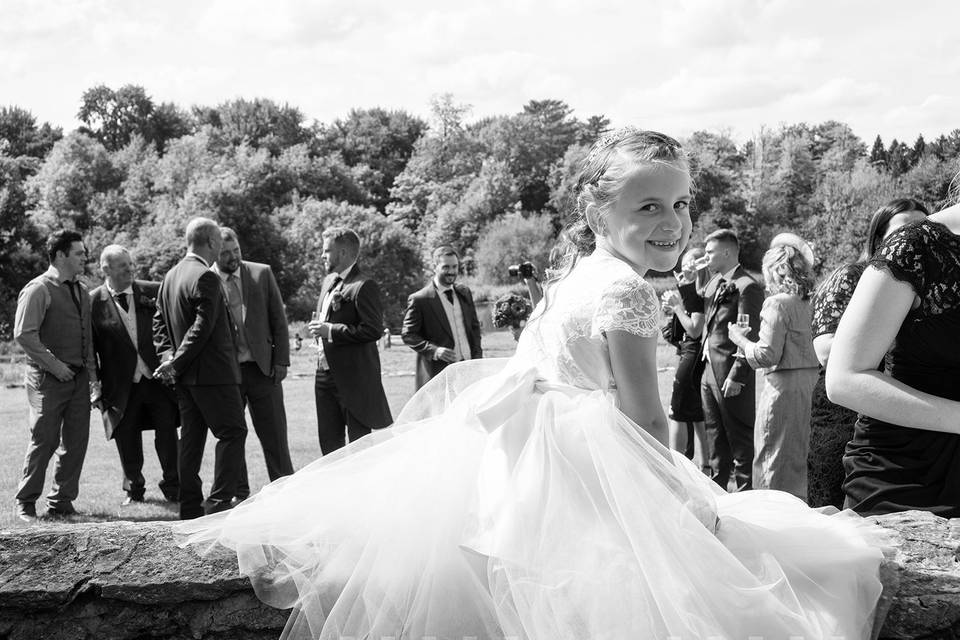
59,423
148,403
729,430
219,408
335,422
264,399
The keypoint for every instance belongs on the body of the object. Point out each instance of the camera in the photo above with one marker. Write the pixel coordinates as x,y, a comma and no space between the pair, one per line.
522,270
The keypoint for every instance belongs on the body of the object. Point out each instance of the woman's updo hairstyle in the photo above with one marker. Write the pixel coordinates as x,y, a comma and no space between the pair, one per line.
787,270
603,174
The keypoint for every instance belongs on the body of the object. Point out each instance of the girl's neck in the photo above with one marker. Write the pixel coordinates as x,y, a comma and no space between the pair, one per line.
604,250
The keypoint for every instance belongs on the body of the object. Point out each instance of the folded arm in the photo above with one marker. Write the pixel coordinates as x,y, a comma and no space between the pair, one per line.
868,328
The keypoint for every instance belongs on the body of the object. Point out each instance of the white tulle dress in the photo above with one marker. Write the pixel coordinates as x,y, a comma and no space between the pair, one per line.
512,499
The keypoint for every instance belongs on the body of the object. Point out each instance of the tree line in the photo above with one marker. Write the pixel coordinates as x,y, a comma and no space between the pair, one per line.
497,188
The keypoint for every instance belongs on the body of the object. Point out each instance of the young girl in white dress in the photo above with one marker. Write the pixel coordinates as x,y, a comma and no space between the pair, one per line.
533,498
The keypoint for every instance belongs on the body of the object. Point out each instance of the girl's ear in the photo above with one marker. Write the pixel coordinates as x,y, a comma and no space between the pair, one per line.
595,220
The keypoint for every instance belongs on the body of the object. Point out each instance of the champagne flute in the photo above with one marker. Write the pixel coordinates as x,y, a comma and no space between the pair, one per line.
313,318
743,321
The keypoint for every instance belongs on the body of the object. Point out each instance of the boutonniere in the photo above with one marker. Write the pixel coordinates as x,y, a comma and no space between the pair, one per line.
336,300
725,291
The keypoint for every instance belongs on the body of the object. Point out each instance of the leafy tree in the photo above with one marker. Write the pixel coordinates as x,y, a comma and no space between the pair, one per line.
77,169
492,193
20,135
592,129
878,154
919,149
444,163
259,123
545,130
114,117
380,139
898,158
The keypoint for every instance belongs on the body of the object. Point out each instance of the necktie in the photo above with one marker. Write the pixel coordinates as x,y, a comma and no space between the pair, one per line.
122,299
449,294
720,284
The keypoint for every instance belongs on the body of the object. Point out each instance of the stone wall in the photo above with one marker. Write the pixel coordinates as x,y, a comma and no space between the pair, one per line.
123,580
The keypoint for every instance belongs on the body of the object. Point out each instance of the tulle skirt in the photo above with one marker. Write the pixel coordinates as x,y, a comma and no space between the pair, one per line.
500,506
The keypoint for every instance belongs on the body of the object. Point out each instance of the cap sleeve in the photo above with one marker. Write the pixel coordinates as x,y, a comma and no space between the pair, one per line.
906,255
628,304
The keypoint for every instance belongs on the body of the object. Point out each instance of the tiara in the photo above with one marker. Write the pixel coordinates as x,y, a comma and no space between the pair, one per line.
617,136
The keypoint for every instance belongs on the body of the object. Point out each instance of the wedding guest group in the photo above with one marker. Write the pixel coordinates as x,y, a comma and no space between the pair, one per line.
441,322
263,351
131,400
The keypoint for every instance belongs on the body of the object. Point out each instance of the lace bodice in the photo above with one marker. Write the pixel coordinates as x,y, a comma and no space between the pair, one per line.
833,296
566,339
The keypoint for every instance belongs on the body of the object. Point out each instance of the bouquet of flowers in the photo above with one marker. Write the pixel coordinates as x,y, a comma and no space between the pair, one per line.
512,311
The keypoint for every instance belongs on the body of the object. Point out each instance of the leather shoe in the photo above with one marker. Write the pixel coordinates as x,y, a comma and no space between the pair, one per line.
133,500
61,511
27,511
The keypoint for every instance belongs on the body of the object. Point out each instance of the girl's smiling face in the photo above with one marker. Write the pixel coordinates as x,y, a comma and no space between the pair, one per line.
648,225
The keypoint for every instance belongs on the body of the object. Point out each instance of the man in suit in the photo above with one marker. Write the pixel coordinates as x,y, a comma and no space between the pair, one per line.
348,324
52,325
728,386
194,336
264,351
441,323
131,399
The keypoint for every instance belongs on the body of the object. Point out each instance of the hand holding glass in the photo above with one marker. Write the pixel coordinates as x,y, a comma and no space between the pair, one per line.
743,321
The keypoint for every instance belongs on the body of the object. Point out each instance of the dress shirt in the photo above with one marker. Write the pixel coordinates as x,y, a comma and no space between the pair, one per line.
233,290
454,310
325,311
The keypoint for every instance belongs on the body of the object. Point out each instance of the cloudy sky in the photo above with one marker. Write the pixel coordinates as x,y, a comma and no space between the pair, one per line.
887,67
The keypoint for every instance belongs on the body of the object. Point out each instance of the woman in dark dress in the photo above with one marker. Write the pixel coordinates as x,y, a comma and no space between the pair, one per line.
831,425
683,329
905,453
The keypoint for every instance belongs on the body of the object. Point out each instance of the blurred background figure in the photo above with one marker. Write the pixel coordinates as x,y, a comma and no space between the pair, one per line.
784,351
684,308
441,322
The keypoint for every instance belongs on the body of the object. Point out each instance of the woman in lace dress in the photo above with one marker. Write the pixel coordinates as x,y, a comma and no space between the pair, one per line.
532,498
905,452
832,425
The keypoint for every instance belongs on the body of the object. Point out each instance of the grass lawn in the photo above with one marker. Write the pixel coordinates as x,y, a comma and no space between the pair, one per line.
100,484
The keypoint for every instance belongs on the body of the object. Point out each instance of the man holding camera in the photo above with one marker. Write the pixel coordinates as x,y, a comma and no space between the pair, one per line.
441,323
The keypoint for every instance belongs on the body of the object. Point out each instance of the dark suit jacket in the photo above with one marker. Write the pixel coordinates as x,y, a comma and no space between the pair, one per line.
193,324
116,353
746,296
426,327
356,326
265,324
